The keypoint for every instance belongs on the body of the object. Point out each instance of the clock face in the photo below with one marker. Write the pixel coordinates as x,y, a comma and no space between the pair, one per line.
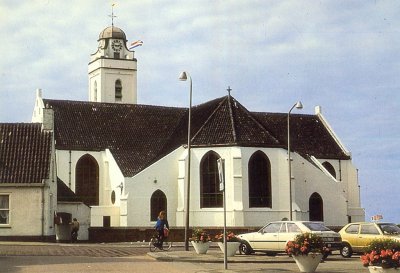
116,45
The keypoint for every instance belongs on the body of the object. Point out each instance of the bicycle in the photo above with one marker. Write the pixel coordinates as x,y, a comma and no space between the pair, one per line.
154,245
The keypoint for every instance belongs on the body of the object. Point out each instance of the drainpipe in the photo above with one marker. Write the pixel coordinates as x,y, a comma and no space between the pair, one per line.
69,166
43,210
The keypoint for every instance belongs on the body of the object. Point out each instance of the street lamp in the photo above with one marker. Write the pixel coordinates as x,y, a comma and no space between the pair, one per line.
183,77
297,105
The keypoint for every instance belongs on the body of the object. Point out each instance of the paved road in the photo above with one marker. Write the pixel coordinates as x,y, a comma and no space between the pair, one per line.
84,250
113,258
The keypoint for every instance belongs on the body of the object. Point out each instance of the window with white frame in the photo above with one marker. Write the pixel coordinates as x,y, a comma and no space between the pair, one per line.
4,209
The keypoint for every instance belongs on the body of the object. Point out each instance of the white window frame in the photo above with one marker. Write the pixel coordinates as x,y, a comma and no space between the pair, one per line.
6,209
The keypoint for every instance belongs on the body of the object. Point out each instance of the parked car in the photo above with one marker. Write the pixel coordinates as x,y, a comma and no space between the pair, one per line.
273,237
356,236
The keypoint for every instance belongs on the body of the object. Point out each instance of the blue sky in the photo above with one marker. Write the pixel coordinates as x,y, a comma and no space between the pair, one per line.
341,55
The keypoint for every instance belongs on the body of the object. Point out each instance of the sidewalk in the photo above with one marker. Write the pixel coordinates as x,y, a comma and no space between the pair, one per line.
213,261
214,255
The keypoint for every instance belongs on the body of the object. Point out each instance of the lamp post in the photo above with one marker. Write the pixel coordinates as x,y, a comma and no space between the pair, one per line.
297,105
183,77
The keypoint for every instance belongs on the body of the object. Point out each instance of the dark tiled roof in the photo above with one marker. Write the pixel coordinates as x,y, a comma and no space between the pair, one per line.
308,135
139,135
232,124
135,134
25,153
65,194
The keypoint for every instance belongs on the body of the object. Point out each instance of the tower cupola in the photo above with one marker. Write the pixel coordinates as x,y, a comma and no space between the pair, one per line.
113,69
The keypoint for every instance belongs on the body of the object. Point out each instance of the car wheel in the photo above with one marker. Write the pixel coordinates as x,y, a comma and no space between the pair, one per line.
245,248
346,250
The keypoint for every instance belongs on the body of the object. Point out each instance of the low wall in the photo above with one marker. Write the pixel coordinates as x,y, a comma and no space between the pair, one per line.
28,238
130,234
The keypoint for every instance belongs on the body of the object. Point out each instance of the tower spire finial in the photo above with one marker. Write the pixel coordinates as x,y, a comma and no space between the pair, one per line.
229,91
112,14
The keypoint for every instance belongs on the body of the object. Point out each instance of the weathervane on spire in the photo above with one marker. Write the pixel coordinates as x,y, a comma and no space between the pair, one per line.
112,14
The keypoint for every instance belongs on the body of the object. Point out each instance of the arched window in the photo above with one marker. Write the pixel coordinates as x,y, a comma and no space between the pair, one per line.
328,166
210,196
87,180
316,207
118,90
158,202
95,91
260,194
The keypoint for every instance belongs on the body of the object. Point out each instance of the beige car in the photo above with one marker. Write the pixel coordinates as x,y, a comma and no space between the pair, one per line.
356,236
273,237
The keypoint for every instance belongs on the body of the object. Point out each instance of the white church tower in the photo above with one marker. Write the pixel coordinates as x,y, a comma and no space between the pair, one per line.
113,69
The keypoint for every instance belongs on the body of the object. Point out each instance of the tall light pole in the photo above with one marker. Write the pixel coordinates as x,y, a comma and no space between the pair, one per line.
297,105
183,77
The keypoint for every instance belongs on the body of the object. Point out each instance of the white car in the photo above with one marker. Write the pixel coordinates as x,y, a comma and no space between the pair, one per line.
273,237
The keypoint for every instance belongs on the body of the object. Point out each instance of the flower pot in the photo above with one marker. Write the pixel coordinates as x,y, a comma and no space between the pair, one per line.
308,263
379,269
200,247
231,248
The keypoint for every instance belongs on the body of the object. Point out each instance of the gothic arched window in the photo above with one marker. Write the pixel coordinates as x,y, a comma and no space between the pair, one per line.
118,90
260,193
328,166
158,202
210,196
87,180
316,207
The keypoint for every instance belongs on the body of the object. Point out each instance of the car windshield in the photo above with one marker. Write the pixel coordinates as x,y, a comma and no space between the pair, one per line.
316,226
389,228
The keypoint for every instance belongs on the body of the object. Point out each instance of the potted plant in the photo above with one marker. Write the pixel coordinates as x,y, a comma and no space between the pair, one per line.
200,240
307,250
382,256
232,243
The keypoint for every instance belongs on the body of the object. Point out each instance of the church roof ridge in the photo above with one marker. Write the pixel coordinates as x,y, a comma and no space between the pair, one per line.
110,104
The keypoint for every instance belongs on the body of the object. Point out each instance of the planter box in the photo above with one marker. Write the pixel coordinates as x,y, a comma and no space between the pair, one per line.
231,248
308,263
200,247
379,269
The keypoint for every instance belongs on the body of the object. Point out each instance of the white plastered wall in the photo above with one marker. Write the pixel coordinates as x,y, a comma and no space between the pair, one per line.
29,216
308,178
162,175
111,180
79,211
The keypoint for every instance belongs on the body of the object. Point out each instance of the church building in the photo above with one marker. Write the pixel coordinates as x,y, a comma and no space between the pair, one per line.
118,163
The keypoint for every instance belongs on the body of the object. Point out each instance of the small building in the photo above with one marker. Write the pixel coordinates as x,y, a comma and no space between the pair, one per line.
28,182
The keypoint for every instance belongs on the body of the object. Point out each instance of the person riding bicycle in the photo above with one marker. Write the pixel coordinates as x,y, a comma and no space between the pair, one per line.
162,223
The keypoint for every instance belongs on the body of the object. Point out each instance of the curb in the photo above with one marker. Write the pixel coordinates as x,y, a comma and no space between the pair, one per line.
179,256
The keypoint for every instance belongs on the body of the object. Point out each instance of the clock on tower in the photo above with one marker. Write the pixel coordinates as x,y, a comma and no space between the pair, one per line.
116,45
